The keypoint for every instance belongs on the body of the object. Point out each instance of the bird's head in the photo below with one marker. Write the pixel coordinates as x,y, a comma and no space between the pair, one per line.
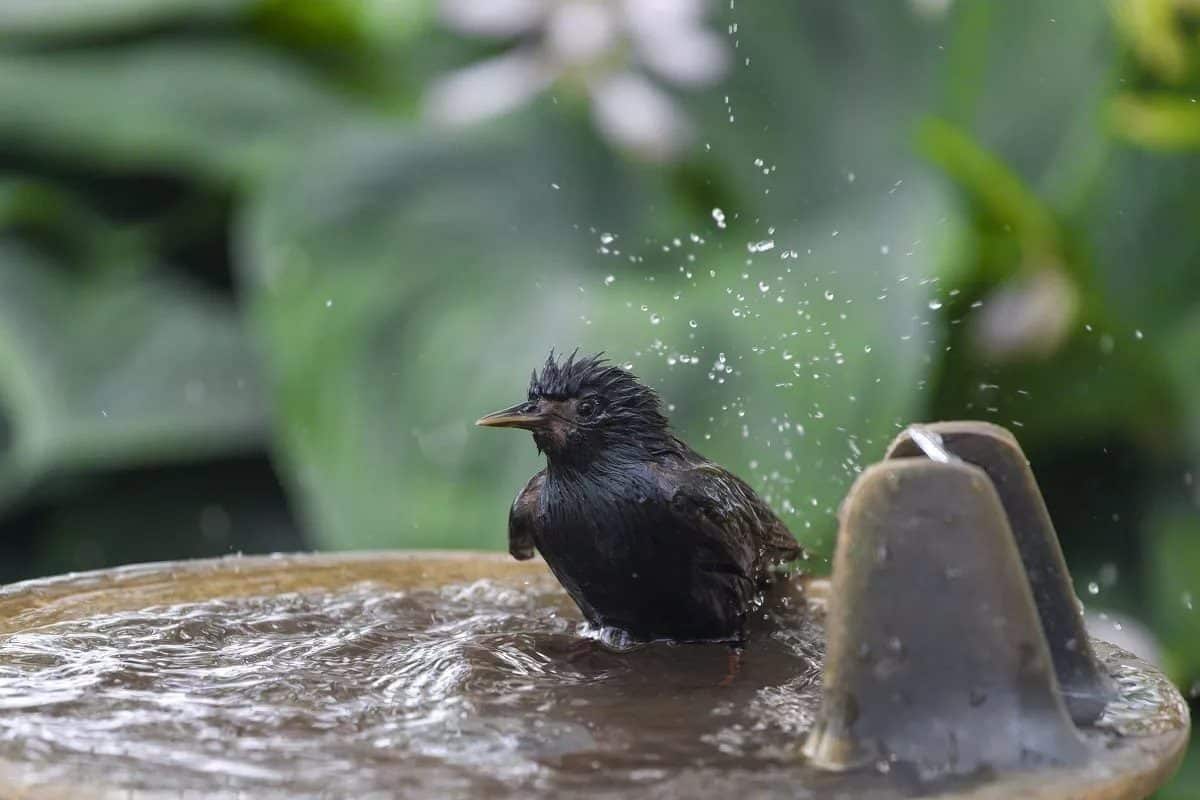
578,408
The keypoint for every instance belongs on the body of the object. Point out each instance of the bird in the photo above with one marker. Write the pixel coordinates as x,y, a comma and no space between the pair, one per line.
652,540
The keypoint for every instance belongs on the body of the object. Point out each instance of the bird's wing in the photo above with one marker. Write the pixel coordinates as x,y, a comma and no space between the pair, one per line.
523,518
775,540
730,505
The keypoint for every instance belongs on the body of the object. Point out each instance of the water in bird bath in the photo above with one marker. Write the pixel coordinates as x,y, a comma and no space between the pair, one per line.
464,688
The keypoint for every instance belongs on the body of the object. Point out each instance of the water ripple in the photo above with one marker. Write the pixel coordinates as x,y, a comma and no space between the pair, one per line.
478,688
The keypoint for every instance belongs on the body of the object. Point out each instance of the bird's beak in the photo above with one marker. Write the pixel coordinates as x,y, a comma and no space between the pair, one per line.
515,417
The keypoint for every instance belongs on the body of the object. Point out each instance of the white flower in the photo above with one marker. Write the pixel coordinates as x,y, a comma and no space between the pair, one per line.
931,8
493,18
636,114
1027,317
599,45
488,88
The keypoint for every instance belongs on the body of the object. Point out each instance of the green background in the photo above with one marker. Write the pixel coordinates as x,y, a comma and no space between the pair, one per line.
249,300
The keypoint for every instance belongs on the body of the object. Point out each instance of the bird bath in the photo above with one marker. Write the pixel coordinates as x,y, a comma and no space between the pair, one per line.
430,674
433,674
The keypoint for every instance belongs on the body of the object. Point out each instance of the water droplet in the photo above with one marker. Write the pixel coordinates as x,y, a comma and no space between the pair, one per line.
693,324
609,280
655,319
1093,588
329,304
934,305
719,217
607,238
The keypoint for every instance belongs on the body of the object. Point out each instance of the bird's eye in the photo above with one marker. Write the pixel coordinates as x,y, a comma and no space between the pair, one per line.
586,408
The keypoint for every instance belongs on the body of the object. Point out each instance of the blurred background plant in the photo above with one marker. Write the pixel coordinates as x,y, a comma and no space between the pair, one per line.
262,262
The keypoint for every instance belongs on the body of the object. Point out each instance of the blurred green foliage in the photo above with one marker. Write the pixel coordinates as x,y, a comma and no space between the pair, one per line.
226,229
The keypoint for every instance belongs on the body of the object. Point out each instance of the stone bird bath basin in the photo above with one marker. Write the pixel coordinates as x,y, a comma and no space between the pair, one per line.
942,659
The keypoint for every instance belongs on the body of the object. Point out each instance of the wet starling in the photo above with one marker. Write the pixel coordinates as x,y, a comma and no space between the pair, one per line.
645,534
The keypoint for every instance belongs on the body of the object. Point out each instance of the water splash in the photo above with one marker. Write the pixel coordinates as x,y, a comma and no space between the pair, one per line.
931,444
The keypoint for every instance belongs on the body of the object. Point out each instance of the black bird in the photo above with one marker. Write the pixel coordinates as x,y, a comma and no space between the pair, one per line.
645,534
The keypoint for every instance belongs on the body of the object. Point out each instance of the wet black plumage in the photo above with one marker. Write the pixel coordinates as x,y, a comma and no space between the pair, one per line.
644,533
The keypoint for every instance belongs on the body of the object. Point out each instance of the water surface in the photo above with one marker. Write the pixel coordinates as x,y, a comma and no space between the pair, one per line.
480,687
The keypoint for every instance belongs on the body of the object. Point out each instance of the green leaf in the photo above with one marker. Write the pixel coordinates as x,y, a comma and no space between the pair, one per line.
1079,394
1145,263
216,110
101,370
1157,121
1173,570
1154,29
1179,348
43,18
1086,373
1183,784
999,193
